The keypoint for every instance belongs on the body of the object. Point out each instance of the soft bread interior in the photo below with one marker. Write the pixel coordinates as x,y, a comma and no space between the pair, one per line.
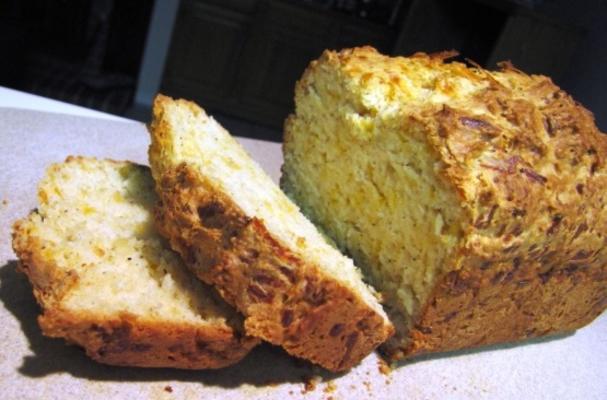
95,222
369,178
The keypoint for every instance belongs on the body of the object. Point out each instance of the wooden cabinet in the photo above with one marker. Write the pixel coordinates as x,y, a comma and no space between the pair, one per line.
205,54
243,59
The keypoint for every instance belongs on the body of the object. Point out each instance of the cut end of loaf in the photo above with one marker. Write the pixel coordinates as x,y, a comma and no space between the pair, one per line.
374,184
294,289
107,281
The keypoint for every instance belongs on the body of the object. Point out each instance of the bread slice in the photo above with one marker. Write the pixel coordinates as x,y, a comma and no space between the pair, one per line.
108,282
239,232
474,200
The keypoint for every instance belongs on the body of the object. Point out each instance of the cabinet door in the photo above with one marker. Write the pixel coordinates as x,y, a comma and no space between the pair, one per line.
285,38
205,52
245,62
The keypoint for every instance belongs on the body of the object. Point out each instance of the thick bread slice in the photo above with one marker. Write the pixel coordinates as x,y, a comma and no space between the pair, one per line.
473,199
239,232
109,283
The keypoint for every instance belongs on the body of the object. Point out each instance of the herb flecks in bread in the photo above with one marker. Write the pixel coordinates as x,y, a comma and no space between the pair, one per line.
473,200
239,232
108,282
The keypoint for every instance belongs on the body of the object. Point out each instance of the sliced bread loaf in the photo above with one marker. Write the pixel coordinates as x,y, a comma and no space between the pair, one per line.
239,232
108,282
474,200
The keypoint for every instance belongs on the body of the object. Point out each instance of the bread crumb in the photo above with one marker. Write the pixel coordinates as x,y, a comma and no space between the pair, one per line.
168,388
330,388
310,383
383,366
5,202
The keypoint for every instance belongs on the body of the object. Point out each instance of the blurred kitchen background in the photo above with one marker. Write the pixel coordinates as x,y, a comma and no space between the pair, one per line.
240,58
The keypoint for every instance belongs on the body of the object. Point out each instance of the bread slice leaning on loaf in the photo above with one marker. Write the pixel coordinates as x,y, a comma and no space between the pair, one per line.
474,200
107,281
238,231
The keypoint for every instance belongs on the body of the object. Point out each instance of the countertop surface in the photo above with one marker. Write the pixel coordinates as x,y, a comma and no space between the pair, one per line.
32,366
11,98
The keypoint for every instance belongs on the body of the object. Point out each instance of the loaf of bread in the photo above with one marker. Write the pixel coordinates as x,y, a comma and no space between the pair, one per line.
237,230
107,281
473,200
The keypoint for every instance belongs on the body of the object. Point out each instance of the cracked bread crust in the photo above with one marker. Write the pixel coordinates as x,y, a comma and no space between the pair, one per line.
534,261
127,341
286,300
506,304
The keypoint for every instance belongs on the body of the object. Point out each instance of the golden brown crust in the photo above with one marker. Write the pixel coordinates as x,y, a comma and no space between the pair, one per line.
528,165
285,300
122,339
505,302
128,341
534,261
